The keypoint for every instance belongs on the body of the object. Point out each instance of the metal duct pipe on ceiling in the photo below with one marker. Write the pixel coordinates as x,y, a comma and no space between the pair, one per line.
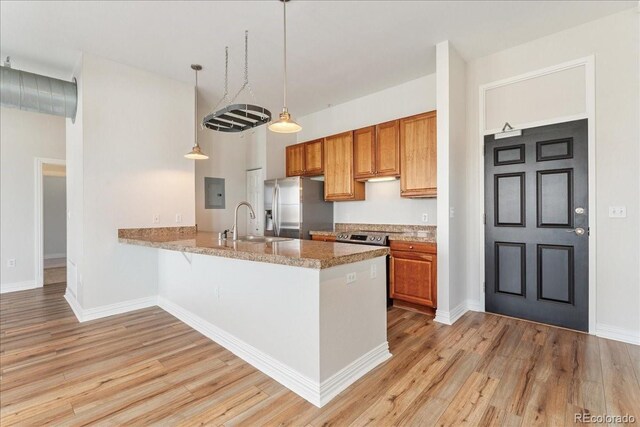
42,94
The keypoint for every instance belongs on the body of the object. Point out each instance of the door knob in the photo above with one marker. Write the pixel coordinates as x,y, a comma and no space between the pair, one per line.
579,231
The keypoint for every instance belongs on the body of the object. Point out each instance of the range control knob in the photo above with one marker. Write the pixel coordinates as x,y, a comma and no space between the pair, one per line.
379,238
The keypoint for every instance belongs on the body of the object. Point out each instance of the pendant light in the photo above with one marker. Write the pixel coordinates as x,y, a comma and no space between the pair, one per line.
196,153
285,124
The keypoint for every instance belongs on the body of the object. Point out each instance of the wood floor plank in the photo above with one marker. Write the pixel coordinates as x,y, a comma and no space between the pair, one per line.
148,368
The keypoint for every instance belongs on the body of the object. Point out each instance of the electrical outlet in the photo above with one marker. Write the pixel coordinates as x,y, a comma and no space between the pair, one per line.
351,277
617,211
11,262
374,271
178,218
425,217
156,218
452,212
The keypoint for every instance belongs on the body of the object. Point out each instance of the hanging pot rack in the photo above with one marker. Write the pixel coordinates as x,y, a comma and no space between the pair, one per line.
236,117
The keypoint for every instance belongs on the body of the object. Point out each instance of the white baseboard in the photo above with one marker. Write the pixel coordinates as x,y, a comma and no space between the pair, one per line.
84,315
475,305
450,317
18,286
316,393
618,334
73,303
342,379
54,256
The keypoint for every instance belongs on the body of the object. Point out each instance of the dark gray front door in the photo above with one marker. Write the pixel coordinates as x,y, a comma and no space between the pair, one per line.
536,232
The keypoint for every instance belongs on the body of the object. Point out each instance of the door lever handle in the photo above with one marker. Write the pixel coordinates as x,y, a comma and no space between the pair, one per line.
579,231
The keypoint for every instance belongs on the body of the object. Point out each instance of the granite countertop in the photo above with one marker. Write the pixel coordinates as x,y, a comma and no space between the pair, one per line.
297,253
406,233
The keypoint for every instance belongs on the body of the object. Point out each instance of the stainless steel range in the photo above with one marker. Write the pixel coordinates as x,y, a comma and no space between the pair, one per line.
364,238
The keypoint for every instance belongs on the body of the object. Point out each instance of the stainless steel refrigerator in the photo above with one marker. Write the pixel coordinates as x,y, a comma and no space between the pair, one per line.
294,206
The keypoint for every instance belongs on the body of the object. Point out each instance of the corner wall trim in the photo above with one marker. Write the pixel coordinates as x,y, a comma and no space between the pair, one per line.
316,393
18,286
618,334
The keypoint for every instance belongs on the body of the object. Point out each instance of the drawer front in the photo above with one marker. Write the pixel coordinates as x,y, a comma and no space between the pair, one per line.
323,238
413,246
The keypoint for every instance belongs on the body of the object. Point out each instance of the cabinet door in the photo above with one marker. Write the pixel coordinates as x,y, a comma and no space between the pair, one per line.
388,149
339,180
418,156
313,161
295,160
413,277
364,152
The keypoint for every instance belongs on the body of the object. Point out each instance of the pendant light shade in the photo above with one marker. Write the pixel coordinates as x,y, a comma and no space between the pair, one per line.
196,153
285,124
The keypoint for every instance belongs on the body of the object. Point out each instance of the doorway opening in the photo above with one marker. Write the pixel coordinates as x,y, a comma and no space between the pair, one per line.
51,222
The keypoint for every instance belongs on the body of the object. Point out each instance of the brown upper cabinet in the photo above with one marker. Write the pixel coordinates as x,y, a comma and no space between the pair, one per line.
339,180
377,150
305,159
418,156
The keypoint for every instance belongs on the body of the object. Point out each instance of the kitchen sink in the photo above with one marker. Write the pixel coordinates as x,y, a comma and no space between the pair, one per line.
262,239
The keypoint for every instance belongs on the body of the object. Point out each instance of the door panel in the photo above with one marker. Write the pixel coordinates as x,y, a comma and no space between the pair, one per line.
555,198
510,268
536,264
510,199
555,273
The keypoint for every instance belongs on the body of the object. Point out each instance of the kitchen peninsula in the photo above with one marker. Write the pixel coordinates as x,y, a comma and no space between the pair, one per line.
311,315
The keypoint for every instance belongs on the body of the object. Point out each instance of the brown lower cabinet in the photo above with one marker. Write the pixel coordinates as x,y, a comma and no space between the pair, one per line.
323,238
413,273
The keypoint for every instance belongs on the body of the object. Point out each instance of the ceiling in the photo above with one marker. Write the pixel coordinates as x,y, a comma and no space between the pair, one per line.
337,50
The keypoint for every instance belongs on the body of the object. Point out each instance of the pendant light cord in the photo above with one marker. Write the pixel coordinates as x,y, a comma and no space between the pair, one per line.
195,112
284,8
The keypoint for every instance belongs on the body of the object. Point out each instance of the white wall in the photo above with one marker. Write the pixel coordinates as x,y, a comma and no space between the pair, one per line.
23,137
614,41
383,203
54,216
135,127
75,191
227,159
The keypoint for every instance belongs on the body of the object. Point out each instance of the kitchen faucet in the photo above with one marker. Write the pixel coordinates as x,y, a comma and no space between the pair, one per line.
235,217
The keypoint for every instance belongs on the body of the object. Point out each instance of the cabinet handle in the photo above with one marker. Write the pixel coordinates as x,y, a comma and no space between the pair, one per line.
410,247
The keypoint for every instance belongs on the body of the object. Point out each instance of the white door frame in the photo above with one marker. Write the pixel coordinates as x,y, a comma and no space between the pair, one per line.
590,90
39,217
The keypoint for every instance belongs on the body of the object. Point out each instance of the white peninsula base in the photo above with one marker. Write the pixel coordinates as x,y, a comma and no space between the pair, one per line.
306,328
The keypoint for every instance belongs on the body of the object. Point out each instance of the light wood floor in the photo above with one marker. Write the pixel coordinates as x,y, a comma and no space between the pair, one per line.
54,275
146,367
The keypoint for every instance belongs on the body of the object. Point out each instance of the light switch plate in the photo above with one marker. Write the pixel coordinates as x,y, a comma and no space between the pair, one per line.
617,211
156,218
11,262
425,217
